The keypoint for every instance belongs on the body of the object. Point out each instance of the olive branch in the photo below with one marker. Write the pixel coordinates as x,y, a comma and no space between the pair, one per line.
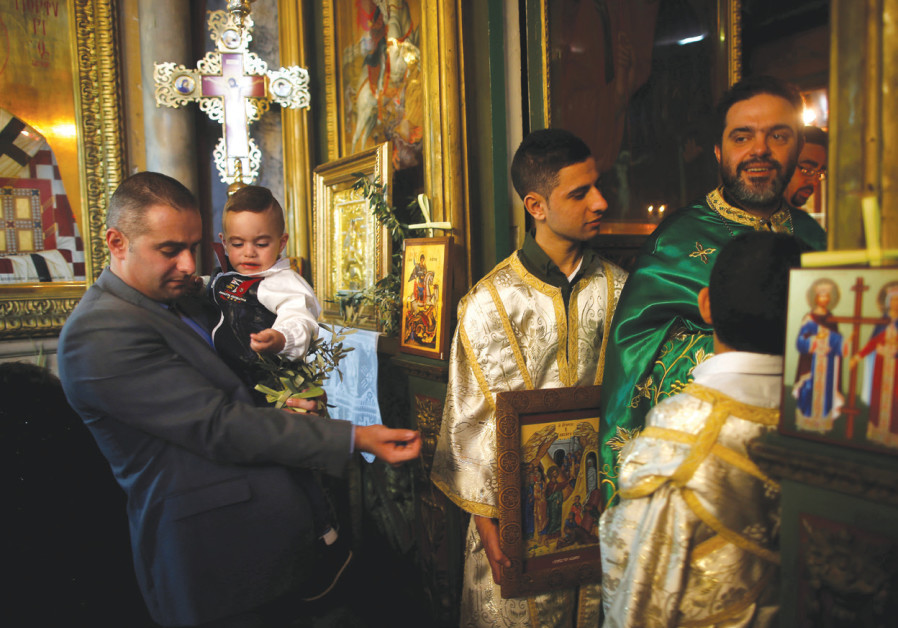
283,379
386,294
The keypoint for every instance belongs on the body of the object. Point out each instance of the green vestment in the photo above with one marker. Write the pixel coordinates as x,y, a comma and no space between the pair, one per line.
658,335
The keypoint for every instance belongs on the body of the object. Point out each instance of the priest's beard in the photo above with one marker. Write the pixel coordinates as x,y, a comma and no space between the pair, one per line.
757,195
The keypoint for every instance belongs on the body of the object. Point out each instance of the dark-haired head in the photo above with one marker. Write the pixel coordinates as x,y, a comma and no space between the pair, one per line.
255,199
138,193
749,290
750,87
540,158
815,135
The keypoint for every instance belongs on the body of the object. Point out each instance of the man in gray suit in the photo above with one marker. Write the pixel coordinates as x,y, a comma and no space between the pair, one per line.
220,531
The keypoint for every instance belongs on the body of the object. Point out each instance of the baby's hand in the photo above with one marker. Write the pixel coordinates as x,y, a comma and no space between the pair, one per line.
267,341
195,285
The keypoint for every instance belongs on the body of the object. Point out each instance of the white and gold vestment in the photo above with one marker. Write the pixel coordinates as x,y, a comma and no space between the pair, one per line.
692,541
514,333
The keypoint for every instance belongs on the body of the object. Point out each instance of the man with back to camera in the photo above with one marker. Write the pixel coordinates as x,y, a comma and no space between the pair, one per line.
811,168
693,541
538,320
658,335
220,532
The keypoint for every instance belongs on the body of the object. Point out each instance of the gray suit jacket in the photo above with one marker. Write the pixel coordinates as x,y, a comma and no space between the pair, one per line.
218,523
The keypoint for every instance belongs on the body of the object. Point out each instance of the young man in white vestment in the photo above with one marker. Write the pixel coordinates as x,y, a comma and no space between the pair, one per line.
538,320
692,541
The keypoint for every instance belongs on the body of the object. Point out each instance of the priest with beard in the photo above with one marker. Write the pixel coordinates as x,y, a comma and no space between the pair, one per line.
658,336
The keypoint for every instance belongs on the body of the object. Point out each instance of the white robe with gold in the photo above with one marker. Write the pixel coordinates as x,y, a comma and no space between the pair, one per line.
692,541
513,334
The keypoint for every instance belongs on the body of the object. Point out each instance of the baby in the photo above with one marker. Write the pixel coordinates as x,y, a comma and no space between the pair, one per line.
266,307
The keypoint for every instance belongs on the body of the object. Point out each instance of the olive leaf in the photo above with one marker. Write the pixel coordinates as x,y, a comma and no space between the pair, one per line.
282,379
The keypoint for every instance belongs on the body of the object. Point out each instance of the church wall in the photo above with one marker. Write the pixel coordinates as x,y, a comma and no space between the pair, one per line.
483,26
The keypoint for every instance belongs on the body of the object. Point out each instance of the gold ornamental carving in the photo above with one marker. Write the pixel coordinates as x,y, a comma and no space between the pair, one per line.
40,309
234,87
429,415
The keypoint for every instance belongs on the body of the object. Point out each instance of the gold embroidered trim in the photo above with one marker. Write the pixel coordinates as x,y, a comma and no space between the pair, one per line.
645,488
731,611
701,252
584,608
707,547
572,358
471,359
560,318
534,612
610,305
475,508
723,452
704,441
745,411
533,606
780,220
509,333
742,463
732,536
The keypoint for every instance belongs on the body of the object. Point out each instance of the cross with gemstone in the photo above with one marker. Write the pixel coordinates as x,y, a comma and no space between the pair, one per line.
234,87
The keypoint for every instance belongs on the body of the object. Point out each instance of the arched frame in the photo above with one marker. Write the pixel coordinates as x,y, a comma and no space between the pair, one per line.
40,309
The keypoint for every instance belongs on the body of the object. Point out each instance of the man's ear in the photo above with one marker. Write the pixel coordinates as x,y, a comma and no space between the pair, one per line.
117,243
535,204
704,304
717,152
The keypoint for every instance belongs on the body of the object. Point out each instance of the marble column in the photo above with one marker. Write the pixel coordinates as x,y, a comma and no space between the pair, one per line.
165,36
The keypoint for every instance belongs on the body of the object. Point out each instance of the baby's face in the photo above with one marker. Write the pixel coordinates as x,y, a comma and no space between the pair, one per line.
253,241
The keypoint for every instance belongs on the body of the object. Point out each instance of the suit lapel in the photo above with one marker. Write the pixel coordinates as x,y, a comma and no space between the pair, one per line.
183,340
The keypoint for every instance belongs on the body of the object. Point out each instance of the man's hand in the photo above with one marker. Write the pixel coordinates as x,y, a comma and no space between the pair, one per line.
306,405
267,341
489,536
390,445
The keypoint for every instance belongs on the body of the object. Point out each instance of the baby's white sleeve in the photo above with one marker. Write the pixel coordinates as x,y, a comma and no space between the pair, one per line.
294,302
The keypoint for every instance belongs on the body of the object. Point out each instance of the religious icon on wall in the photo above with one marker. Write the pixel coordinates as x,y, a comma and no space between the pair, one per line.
817,388
425,293
549,495
380,75
841,352
40,241
350,250
39,176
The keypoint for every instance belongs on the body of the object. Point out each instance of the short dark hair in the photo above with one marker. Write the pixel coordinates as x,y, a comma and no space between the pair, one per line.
541,156
815,135
256,199
138,193
750,87
749,291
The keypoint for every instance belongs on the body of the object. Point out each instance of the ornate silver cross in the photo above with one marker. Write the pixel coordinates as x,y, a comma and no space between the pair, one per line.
233,87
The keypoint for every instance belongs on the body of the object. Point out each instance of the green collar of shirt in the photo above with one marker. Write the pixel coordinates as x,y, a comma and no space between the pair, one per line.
543,268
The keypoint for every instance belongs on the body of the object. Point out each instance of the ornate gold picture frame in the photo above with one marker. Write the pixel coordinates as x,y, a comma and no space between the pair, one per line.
350,250
436,107
549,492
425,297
89,139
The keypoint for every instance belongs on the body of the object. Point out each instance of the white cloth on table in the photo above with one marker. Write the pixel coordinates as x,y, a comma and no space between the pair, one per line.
355,397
